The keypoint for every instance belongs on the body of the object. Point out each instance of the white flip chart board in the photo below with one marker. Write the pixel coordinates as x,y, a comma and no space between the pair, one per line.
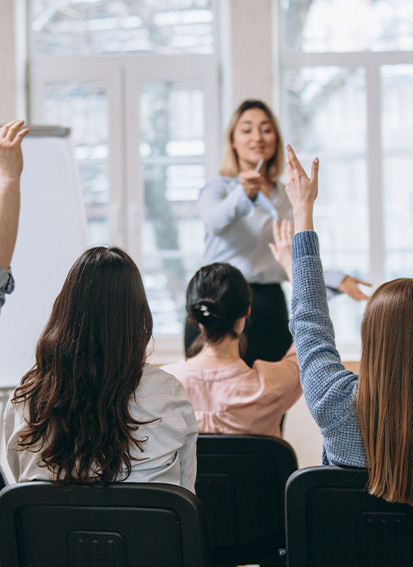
52,234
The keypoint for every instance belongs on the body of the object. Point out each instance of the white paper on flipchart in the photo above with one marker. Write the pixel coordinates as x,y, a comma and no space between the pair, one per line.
52,234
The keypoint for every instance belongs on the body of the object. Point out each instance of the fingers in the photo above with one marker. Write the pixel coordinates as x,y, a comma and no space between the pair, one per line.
295,164
22,134
276,231
10,130
273,249
287,231
314,169
292,164
363,296
363,283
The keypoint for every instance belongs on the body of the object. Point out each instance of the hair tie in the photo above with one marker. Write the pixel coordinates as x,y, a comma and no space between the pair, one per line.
204,310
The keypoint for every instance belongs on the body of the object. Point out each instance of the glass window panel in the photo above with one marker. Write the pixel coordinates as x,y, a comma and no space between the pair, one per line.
348,25
173,238
397,137
326,116
172,148
70,27
83,108
172,120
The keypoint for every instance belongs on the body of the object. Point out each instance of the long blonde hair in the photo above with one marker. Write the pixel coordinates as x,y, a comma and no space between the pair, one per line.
230,165
384,400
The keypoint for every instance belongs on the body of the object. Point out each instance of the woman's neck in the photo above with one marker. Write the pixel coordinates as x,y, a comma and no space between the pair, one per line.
217,355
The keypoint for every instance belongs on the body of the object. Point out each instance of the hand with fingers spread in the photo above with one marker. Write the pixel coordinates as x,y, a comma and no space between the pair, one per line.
11,159
11,165
281,249
301,190
350,286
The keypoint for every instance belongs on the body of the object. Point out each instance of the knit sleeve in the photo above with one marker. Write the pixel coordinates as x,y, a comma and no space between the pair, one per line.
329,388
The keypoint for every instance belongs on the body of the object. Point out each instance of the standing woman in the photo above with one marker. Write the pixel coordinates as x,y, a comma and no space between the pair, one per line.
238,209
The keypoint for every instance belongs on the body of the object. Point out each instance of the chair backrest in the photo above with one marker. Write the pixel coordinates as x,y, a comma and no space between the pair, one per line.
3,479
241,482
123,524
332,520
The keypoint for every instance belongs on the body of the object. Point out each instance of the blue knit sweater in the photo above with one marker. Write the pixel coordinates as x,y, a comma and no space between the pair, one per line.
329,388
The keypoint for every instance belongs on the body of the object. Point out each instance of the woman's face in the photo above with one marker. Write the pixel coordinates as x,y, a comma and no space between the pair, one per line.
254,138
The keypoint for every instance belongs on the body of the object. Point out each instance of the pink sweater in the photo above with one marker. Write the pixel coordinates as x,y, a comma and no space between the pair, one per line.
240,399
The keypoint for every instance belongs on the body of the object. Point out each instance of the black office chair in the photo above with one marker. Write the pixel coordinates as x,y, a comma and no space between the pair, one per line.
241,482
332,520
124,524
3,479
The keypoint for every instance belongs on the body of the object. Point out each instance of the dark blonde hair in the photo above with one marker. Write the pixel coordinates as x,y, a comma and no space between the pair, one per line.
89,362
385,390
230,165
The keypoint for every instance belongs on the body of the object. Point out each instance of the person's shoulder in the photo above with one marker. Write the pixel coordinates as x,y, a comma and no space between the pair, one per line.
156,380
173,367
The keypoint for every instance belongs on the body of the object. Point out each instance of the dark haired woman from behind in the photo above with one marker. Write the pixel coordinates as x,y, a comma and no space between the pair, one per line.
228,396
366,420
238,209
91,409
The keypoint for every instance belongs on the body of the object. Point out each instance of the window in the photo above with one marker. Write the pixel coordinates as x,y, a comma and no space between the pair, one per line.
134,81
347,97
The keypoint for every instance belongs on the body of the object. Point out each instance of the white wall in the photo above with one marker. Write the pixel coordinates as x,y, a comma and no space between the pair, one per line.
8,94
251,50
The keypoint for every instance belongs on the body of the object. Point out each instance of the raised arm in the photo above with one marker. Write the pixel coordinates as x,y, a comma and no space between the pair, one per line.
11,165
328,387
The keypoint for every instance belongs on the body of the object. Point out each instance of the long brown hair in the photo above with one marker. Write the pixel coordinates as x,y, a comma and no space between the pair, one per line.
385,390
89,362
230,165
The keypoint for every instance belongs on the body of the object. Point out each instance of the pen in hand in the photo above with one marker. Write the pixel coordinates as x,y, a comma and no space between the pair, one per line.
259,165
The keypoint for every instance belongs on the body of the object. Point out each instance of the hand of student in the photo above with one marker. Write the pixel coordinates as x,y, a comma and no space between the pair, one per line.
281,249
252,182
350,286
11,158
301,190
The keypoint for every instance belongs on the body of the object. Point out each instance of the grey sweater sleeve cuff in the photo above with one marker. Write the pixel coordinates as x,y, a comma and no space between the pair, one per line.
305,244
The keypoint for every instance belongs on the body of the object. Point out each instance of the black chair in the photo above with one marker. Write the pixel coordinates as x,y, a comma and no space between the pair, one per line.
241,482
332,520
124,524
3,479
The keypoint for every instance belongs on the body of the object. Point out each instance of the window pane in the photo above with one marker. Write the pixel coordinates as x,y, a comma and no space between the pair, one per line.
172,120
83,108
107,26
172,148
348,25
397,137
326,116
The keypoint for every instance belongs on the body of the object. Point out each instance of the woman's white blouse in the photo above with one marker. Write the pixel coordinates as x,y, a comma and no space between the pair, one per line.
170,450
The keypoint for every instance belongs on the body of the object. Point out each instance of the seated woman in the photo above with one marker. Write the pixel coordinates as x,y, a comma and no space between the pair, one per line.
365,420
91,409
228,396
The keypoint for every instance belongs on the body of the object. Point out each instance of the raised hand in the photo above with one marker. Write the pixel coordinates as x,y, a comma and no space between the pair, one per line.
281,249
350,286
11,159
11,165
301,190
